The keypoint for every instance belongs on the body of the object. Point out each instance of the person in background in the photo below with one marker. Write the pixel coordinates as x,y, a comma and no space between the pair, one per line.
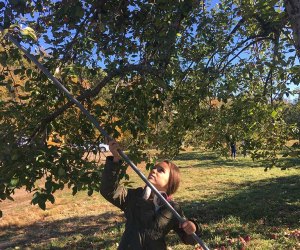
233,149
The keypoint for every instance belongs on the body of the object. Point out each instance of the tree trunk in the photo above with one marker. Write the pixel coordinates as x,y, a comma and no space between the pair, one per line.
292,8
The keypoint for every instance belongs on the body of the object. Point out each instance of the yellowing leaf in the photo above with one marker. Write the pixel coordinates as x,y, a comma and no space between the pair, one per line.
274,113
29,32
179,35
74,79
3,32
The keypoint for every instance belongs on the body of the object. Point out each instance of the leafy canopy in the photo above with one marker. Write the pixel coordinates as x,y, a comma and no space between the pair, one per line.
155,73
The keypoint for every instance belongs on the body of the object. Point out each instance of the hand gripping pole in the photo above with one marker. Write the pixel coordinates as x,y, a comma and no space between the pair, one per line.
104,133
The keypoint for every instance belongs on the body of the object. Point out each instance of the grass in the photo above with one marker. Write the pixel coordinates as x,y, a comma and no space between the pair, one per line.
238,204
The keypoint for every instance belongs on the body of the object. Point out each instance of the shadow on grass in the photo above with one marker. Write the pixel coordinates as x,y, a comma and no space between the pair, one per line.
291,162
230,163
84,232
211,159
276,202
196,155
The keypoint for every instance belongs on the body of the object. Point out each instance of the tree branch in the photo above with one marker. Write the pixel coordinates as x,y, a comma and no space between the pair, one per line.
250,44
237,47
234,30
142,69
275,54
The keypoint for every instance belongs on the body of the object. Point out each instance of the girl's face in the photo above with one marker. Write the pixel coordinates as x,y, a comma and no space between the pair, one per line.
159,176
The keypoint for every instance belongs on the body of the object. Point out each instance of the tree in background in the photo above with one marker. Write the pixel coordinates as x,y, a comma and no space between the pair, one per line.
157,71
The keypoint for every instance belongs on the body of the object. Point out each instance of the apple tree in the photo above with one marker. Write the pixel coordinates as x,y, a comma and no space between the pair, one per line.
157,71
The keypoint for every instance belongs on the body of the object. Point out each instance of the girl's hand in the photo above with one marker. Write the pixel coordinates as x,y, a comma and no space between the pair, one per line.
114,147
189,227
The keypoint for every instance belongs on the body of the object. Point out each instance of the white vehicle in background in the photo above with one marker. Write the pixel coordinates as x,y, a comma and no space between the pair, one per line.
23,141
103,147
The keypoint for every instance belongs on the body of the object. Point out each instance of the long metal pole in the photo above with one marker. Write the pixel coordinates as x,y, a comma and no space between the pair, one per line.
97,125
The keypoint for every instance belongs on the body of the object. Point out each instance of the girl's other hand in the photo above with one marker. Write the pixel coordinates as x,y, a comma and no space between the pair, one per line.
189,227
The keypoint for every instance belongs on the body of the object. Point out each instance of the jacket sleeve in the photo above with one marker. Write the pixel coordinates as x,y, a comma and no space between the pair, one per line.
186,239
164,221
110,182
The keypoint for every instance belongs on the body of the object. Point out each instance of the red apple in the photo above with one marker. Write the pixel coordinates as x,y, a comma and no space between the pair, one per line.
273,236
247,238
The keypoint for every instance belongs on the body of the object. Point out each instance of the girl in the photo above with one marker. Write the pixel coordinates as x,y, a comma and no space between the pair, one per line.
147,221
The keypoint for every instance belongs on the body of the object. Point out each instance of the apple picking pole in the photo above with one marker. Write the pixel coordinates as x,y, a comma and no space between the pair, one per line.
104,133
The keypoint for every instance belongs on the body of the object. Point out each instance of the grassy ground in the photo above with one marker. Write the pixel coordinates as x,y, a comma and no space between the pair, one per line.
239,205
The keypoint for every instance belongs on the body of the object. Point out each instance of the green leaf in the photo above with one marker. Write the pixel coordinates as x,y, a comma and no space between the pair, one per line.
10,198
14,182
61,172
74,190
15,156
27,86
79,11
25,97
90,192
17,71
51,198
3,58
48,186
42,204
28,72
36,198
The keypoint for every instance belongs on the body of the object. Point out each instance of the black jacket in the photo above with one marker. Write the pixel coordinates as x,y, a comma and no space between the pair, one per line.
145,227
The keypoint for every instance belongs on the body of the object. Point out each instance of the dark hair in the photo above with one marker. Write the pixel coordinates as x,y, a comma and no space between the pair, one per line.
174,178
